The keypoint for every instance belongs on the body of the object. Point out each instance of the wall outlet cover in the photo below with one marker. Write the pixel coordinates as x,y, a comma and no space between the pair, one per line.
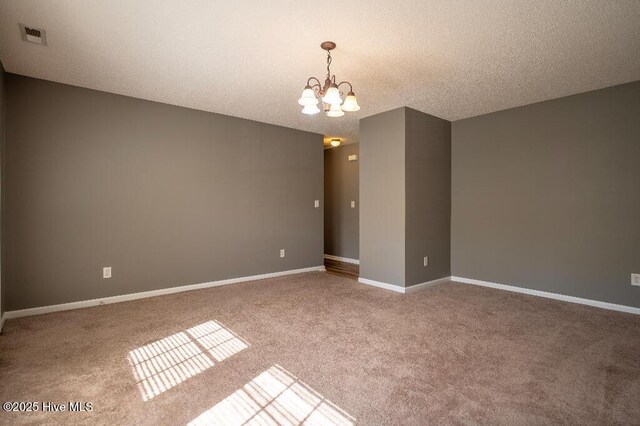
426,261
282,253
635,279
316,204
106,272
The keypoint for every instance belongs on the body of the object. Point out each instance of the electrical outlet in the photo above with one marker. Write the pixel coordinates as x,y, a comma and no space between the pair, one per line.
353,204
316,204
426,261
635,279
282,253
106,272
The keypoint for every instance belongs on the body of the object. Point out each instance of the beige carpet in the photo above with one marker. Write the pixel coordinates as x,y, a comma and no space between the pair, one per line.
321,348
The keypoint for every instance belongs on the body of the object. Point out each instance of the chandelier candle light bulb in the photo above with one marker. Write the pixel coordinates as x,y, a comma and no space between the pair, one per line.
308,97
350,103
329,92
310,109
332,97
335,111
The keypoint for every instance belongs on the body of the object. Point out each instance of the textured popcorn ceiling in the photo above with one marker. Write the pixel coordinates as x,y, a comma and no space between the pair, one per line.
251,59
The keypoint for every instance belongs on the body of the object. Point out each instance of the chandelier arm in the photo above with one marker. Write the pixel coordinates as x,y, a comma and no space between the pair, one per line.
346,82
317,82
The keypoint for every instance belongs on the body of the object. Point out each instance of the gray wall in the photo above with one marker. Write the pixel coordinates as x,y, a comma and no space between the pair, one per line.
382,197
167,196
405,196
2,144
340,188
428,197
547,196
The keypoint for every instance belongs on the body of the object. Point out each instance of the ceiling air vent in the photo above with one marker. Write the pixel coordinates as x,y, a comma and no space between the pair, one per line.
33,35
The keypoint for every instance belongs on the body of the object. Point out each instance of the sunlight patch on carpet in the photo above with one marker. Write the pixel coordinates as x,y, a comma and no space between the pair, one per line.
275,397
163,364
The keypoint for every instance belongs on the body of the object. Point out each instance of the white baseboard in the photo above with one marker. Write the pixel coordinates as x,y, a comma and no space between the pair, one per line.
342,259
380,284
427,284
548,295
399,289
152,293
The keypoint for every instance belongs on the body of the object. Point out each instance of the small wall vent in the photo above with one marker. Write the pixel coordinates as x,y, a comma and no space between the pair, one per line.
33,35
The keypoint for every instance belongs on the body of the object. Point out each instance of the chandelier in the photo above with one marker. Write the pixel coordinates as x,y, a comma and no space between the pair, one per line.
329,92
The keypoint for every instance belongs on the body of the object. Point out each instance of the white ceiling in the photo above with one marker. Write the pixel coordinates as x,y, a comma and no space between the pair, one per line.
251,59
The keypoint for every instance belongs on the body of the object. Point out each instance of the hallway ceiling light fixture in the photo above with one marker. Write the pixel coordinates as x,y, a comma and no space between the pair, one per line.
329,92
335,142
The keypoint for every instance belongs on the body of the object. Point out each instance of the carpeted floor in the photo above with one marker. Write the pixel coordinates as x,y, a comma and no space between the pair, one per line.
319,347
